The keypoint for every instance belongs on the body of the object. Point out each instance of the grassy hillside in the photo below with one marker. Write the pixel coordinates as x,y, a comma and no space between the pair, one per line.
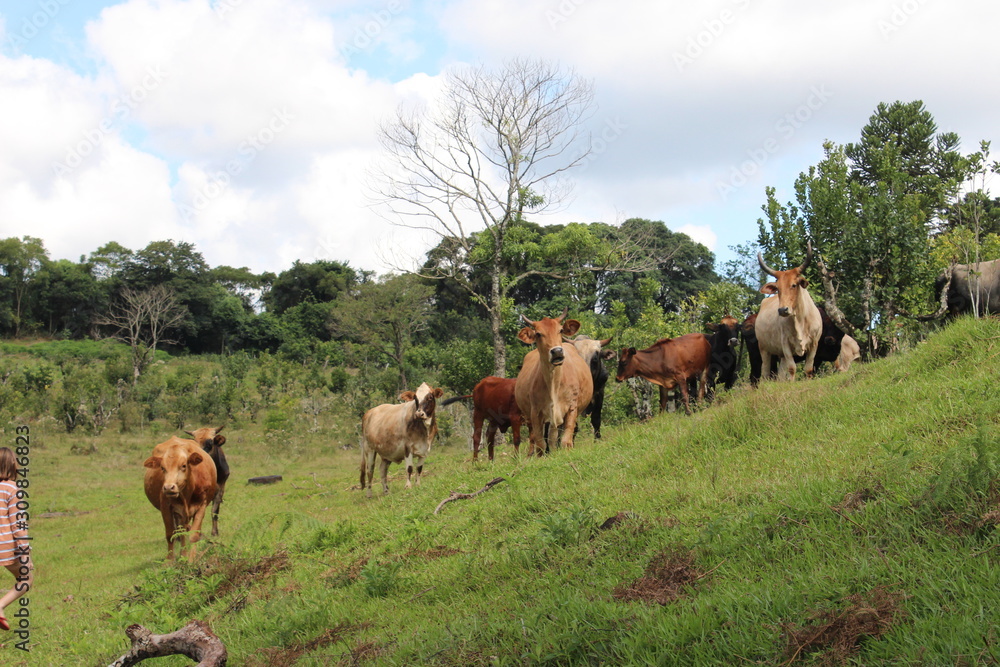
850,519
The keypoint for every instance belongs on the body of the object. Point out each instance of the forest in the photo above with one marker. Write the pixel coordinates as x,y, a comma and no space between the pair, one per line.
886,216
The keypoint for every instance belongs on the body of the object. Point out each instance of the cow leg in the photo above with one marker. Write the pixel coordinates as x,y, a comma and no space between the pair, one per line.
595,414
552,435
702,384
663,398
534,435
491,438
515,425
385,477
787,370
216,504
368,463
168,526
477,432
569,429
810,366
199,518
765,364
408,462
683,385
418,465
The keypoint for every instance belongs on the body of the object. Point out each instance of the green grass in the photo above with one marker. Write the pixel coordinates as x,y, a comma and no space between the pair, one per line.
856,501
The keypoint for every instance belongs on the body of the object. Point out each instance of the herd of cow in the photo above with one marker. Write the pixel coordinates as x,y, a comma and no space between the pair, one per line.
561,379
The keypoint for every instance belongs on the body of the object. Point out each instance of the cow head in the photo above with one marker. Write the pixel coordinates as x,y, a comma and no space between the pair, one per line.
425,400
590,348
727,328
787,285
174,466
624,360
547,334
208,438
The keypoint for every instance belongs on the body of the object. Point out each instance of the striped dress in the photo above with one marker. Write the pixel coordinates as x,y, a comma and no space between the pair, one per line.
8,522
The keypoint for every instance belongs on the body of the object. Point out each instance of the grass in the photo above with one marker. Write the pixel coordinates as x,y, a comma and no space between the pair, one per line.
850,519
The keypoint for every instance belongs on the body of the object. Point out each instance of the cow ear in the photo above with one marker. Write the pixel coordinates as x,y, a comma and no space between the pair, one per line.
570,327
407,396
195,459
803,282
527,336
153,462
631,351
438,392
769,288
220,440
712,326
608,354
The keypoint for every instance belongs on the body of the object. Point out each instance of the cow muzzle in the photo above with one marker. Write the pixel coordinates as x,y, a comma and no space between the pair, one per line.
784,311
171,491
557,356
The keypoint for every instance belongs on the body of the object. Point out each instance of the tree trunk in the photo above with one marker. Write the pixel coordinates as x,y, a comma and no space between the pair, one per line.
195,640
496,323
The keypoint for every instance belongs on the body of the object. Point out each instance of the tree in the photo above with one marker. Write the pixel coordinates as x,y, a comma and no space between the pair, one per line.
319,281
142,319
488,153
385,316
68,298
20,260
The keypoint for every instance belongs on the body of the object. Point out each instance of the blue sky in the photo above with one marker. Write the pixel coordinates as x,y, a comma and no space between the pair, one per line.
247,127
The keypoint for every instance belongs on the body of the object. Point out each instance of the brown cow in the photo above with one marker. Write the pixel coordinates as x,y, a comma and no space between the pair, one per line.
669,363
554,385
180,482
493,401
212,443
398,432
791,324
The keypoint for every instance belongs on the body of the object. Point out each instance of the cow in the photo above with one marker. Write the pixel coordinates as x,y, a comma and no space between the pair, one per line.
180,482
723,341
790,324
594,354
399,432
828,349
554,385
669,363
493,402
212,443
849,351
748,332
971,280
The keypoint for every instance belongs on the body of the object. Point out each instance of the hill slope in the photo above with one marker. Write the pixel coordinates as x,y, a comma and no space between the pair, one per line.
850,517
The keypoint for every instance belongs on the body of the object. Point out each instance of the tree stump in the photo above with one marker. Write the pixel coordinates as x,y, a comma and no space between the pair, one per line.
195,640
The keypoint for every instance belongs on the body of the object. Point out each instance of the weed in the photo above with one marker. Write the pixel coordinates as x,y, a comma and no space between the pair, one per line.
380,579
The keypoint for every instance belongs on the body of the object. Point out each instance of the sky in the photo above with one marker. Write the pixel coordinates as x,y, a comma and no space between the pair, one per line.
249,127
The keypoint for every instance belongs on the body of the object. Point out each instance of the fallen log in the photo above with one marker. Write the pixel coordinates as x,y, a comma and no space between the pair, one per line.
266,479
463,496
195,640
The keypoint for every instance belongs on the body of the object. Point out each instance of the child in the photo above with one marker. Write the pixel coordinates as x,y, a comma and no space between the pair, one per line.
14,547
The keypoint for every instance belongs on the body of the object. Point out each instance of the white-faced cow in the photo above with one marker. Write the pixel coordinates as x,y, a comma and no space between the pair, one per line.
212,443
789,324
554,385
670,363
594,354
399,432
180,482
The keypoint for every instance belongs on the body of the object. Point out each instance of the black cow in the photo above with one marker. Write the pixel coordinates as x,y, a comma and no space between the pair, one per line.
212,443
723,363
593,353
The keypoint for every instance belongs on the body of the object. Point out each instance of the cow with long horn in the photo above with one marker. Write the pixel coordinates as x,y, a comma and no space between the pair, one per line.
789,325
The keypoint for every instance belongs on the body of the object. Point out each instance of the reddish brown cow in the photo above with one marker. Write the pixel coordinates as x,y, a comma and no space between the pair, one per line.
669,363
398,432
790,324
554,385
180,482
493,401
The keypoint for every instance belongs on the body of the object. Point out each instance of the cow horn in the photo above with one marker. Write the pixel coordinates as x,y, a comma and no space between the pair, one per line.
564,314
604,343
527,321
809,256
189,433
767,269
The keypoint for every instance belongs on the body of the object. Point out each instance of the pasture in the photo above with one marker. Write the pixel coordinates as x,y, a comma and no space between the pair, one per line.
849,519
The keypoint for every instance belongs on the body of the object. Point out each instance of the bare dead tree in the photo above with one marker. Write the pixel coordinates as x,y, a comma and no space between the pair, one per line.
142,319
195,640
494,146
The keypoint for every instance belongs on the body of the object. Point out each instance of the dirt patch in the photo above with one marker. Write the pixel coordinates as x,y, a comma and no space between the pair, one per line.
439,552
856,500
668,577
287,656
241,572
345,576
611,522
837,634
